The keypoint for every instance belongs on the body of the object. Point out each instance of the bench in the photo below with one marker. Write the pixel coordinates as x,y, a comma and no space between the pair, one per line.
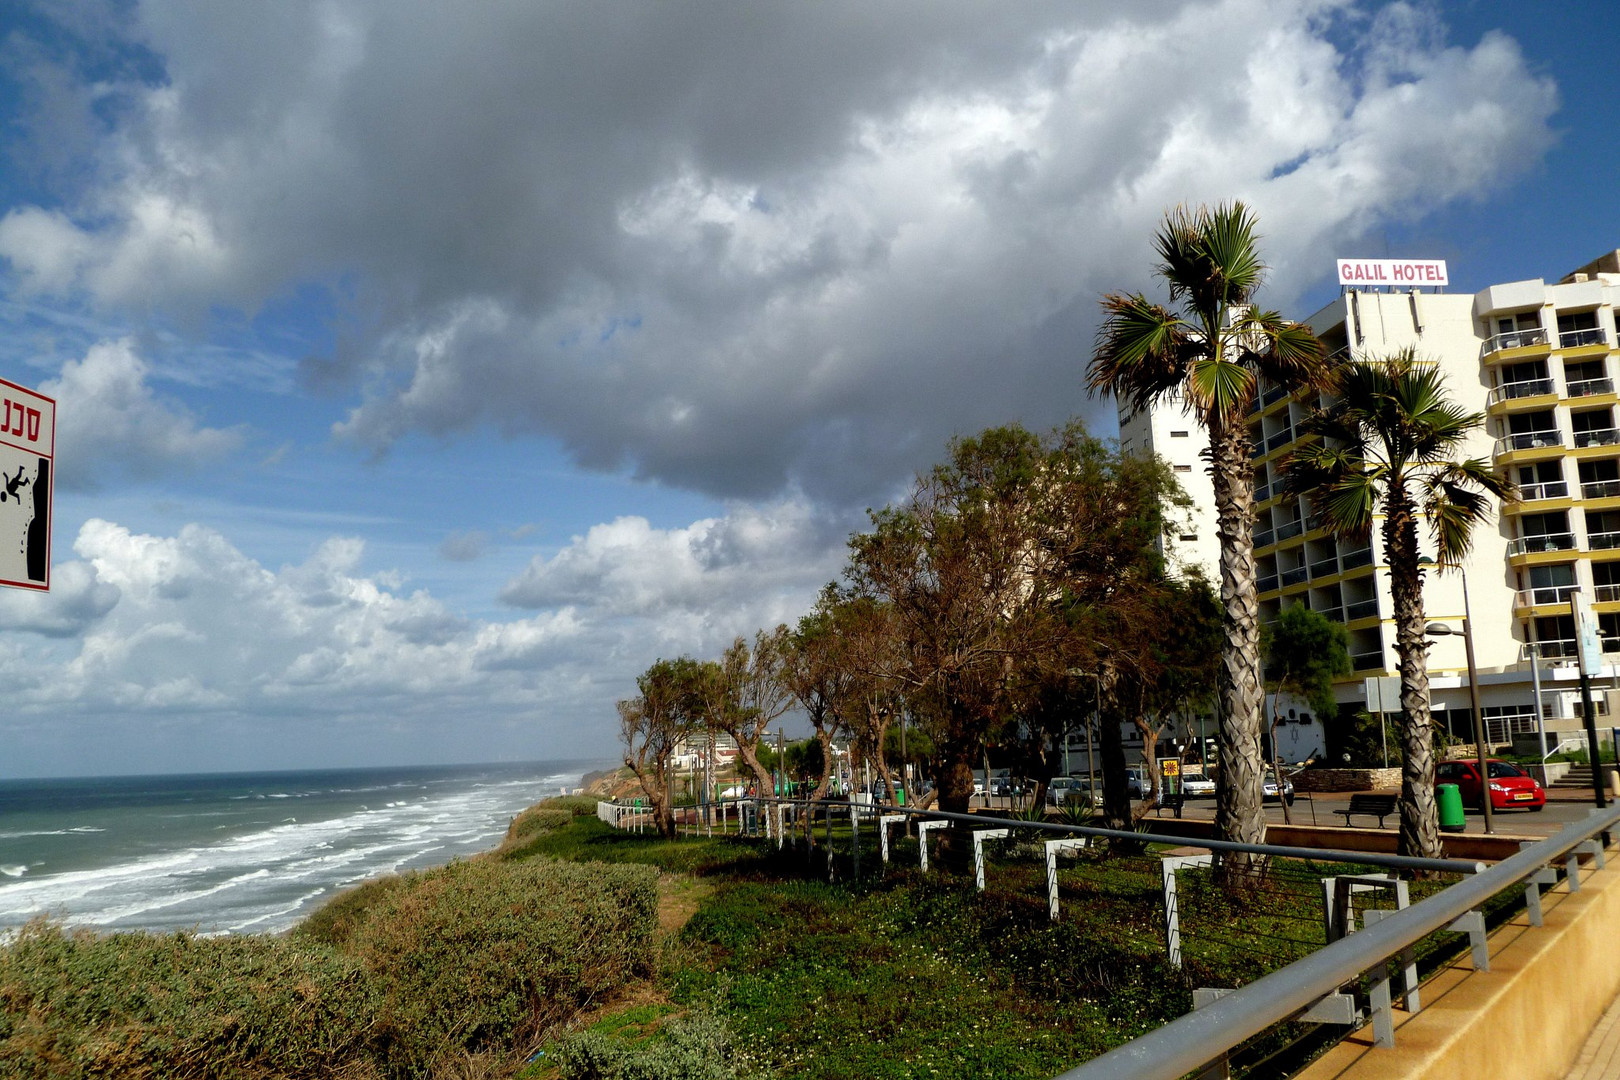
1371,804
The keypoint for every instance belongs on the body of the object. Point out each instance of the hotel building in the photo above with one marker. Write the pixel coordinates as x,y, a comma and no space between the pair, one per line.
1540,361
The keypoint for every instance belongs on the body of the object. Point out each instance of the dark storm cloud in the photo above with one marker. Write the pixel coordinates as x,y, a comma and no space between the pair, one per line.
748,248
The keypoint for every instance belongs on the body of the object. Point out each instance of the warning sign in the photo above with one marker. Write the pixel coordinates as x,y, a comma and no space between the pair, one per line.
27,452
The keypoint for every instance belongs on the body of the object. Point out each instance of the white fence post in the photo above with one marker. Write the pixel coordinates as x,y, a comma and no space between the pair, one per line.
884,821
1054,848
1172,907
979,837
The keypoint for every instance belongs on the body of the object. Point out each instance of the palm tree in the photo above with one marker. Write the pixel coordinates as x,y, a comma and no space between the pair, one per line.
1210,351
1389,447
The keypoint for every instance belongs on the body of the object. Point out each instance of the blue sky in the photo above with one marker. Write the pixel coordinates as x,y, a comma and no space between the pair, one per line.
425,374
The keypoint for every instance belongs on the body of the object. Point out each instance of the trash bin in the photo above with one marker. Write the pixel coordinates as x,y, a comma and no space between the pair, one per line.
1449,796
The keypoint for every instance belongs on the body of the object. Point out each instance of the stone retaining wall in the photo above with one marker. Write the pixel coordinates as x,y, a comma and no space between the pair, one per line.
1326,780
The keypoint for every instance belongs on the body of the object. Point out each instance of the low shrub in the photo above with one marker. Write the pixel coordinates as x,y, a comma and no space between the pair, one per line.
81,1004
578,805
696,1046
530,827
335,922
486,955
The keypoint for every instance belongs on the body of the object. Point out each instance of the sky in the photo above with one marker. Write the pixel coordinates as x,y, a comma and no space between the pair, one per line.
425,372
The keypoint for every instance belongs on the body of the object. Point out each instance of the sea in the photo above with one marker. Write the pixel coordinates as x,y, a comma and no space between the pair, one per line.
244,852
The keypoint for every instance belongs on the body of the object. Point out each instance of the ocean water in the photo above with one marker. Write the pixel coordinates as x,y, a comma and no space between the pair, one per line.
243,852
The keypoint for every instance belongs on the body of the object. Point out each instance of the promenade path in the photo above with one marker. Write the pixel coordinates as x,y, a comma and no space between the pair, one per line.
1599,1058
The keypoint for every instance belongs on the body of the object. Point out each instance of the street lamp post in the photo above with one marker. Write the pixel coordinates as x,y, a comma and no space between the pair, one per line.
1441,630
1534,649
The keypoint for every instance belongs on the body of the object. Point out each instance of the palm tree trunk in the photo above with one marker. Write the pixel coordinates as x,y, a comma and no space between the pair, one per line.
1420,822
1239,807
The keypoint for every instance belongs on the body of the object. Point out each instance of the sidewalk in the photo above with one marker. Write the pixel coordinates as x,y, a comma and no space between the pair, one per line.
1599,1058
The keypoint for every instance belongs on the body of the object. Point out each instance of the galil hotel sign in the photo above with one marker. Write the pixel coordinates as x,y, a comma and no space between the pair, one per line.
1392,273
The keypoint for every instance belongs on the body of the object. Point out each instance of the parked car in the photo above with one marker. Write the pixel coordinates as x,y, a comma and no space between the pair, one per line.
1133,782
1066,791
1511,787
1269,788
1196,786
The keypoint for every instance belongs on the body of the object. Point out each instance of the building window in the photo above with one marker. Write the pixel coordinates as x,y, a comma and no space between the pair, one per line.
1183,468
1178,434
1189,537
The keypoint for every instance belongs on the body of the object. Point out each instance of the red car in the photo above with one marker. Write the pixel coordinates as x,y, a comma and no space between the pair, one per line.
1511,786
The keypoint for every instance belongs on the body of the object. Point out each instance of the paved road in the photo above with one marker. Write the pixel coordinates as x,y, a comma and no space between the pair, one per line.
1562,808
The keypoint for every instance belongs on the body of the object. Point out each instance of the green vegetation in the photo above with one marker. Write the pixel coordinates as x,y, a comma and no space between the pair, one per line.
76,1004
402,977
545,961
487,955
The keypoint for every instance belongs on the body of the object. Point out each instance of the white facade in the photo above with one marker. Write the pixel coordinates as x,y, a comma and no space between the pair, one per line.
1540,361
1175,435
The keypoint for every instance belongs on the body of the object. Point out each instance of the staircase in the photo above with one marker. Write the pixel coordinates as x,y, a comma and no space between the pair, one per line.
1579,776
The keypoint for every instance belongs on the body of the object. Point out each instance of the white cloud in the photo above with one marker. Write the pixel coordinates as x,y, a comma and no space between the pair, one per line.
187,636
759,564
792,249
109,421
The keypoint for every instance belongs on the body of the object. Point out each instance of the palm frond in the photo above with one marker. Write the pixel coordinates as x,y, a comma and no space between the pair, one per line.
1142,351
1220,388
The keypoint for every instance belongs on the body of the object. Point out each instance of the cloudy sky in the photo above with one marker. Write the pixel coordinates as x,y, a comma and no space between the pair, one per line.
426,370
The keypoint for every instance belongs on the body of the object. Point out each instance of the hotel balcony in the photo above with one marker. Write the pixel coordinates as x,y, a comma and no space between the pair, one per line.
1579,339
1597,437
1530,545
1550,489
1602,541
1544,595
1513,391
1600,489
1361,609
1551,649
1550,439
1514,341
1589,387
1352,559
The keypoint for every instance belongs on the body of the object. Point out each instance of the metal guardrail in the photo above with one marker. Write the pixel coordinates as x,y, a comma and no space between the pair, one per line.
1513,339
1541,542
1280,851
1522,388
1575,339
1190,1042
1597,437
1549,489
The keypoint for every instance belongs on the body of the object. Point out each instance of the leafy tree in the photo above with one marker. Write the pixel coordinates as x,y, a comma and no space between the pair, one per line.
747,691
1305,652
817,678
952,570
1180,662
1209,353
805,761
1389,446
653,725
1014,572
